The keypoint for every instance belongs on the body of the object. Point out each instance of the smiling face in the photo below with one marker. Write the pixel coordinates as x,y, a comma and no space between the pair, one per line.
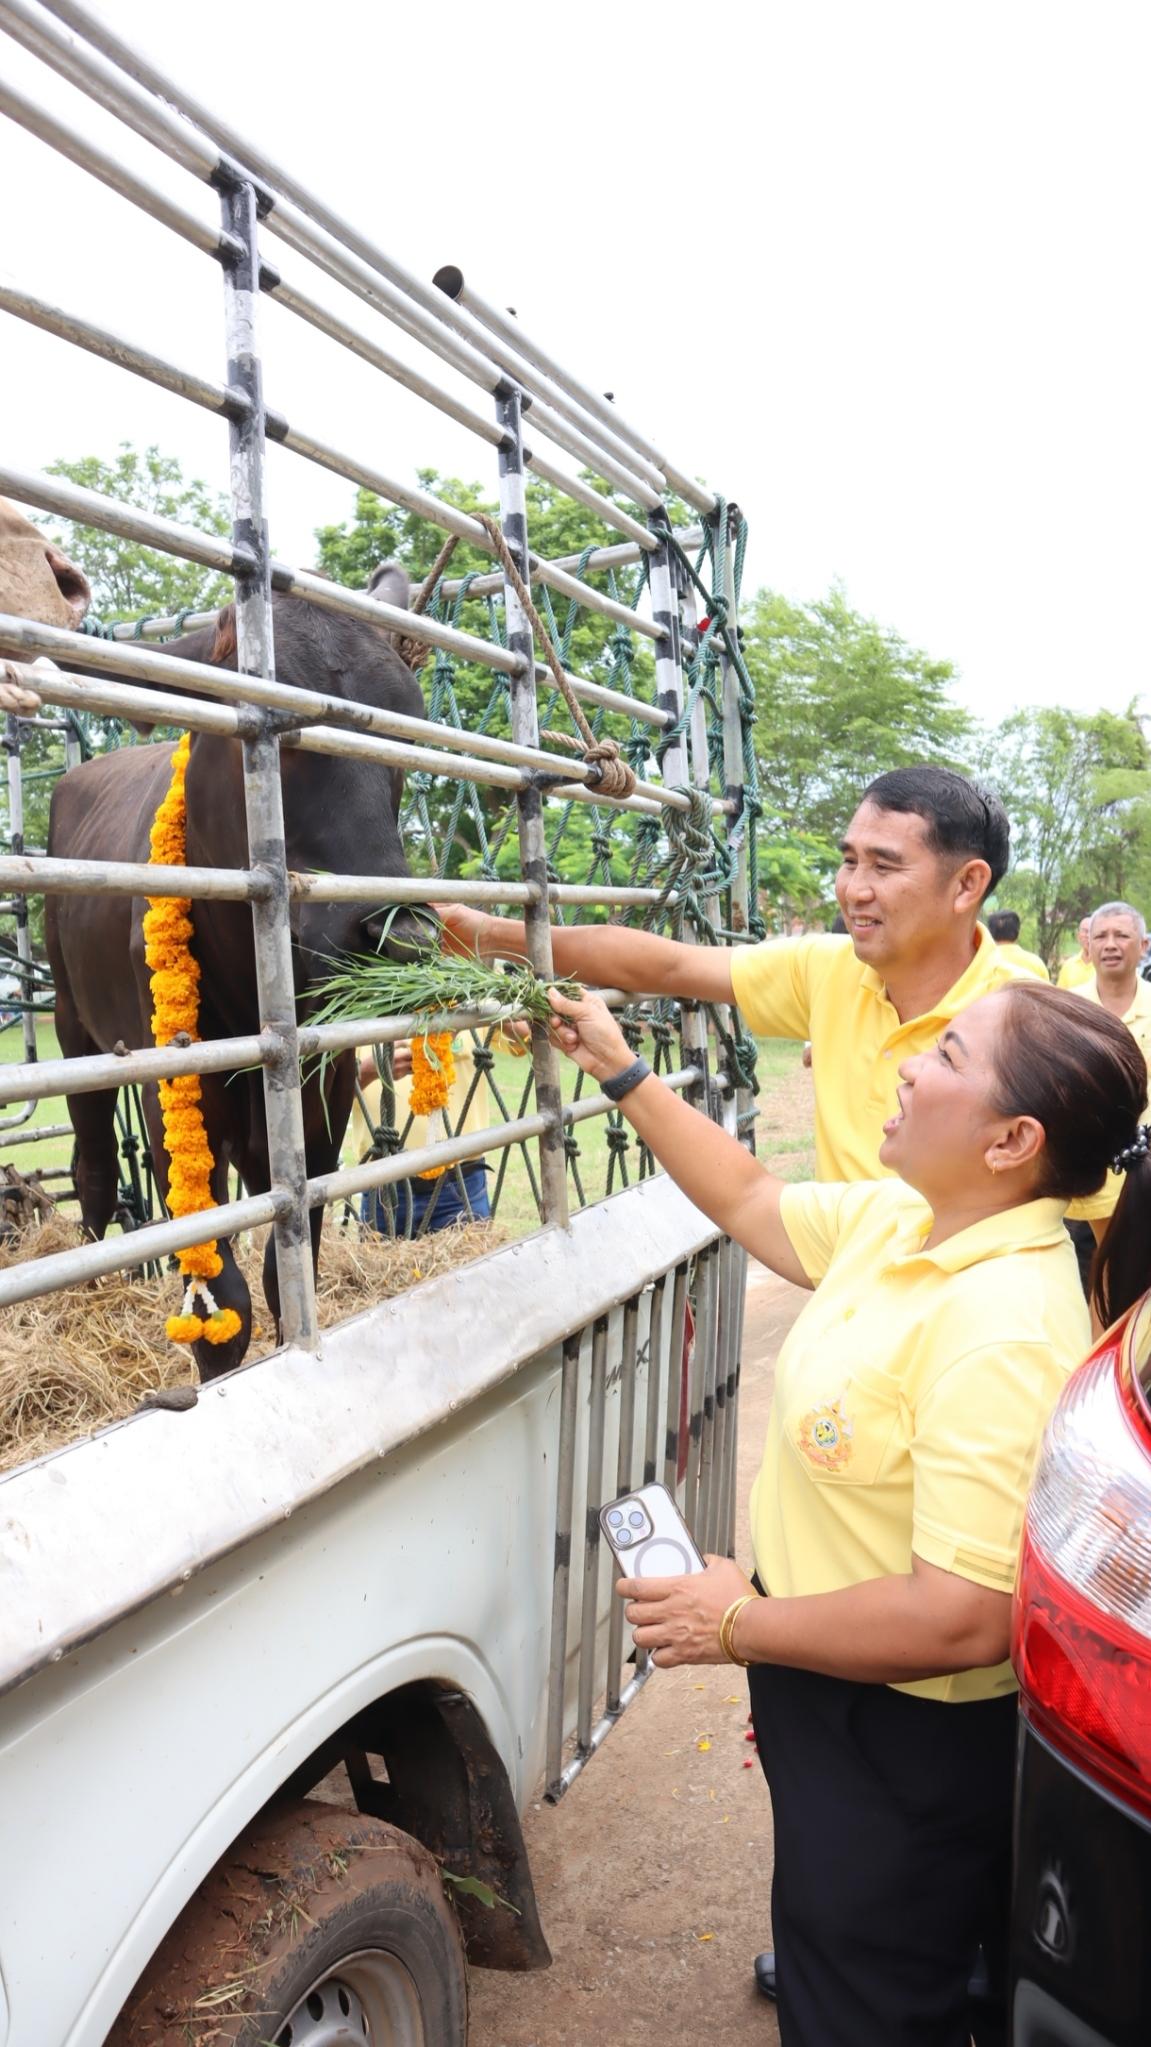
899,897
1115,947
948,1135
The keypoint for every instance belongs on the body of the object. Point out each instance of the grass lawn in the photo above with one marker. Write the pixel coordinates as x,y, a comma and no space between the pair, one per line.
783,1135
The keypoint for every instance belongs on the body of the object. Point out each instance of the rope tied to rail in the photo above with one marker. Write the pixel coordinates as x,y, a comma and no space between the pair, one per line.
613,777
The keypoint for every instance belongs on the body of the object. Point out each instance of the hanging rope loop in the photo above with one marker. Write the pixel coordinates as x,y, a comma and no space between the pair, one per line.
611,774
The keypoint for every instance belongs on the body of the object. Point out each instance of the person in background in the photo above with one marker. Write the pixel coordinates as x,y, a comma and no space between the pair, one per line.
1115,946
1004,928
1077,968
796,928
1145,961
910,1397
419,1203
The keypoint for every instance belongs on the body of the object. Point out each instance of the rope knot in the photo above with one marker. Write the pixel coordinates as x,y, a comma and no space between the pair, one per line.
613,776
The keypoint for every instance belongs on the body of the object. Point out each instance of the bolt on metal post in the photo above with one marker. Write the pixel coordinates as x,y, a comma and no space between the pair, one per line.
263,796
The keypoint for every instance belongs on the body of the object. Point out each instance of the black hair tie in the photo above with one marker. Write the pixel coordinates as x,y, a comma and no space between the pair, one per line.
1131,1155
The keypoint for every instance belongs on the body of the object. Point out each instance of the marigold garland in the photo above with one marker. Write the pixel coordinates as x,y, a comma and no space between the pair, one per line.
175,988
433,1071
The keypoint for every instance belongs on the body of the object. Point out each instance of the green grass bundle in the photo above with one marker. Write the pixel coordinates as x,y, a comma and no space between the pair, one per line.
430,984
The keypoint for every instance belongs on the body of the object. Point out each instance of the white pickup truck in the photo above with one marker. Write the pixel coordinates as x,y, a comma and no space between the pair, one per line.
280,1672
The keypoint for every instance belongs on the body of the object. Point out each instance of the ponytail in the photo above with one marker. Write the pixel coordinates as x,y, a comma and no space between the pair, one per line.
1079,1071
1121,1267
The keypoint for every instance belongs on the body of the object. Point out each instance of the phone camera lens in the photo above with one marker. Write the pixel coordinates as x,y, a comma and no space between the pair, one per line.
614,1516
636,1519
624,1535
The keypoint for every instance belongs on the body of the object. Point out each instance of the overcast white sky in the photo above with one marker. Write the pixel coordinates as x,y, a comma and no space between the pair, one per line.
875,270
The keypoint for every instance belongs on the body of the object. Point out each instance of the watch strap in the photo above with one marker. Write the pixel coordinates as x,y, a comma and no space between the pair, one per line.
621,1084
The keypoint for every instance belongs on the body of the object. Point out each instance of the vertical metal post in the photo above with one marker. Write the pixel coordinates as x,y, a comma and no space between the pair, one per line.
742,1099
73,751
674,765
739,1293
675,1349
533,843
263,796
12,747
702,1455
594,1501
654,1379
561,1578
623,1479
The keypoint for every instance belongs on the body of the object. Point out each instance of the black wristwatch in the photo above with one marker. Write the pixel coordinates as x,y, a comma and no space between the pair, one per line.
621,1084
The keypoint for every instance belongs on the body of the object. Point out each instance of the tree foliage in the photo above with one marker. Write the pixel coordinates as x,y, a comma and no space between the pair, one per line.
1077,788
840,699
129,580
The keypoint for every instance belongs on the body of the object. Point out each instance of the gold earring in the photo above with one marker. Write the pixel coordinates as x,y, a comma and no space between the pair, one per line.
994,1167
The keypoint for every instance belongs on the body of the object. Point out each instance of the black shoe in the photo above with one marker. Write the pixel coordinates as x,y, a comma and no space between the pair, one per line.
765,1975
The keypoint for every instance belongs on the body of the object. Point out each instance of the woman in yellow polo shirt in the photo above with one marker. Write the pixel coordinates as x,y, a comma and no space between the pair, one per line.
909,1401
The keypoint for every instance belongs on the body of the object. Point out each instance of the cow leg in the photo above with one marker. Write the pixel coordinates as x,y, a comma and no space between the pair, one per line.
95,1158
229,1288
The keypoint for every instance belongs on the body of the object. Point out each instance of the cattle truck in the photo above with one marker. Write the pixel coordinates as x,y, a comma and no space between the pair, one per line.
281,1664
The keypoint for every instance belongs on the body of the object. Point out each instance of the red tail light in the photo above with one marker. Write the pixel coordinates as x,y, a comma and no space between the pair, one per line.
1082,1647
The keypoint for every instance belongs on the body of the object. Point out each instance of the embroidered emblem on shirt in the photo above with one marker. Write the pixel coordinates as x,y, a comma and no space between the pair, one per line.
825,1436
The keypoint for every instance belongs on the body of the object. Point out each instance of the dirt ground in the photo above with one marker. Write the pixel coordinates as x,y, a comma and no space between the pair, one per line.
653,1874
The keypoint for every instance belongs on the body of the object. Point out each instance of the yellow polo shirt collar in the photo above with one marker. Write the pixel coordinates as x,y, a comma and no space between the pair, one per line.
1031,1226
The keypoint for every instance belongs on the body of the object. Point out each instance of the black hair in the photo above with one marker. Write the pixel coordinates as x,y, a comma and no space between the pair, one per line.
961,817
1079,1072
1003,926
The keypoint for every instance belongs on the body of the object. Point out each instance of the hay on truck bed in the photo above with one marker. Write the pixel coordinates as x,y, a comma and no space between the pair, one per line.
74,1361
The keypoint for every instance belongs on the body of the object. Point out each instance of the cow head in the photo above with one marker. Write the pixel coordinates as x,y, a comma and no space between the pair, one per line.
36,580
341,814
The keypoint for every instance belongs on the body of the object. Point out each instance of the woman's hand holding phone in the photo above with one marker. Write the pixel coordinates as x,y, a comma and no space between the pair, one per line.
678,1619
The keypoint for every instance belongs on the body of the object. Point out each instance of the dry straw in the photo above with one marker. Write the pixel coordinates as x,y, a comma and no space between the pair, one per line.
76,1360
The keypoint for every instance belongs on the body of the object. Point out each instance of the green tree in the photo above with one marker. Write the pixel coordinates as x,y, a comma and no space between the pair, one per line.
129,580
839,699
1077,787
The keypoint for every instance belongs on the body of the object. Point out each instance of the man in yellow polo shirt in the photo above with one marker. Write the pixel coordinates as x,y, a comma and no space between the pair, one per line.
1077,969
922,851
1115,945
1004,928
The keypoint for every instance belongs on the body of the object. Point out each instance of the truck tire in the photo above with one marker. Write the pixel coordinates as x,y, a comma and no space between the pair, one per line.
319,1928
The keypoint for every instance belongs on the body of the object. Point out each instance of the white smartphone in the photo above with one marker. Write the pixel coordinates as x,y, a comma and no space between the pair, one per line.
649,1536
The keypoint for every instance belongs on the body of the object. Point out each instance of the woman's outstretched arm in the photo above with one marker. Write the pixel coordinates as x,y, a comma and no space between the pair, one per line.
714,1171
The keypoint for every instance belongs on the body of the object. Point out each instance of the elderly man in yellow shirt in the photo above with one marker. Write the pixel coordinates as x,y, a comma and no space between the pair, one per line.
1115,943
1004,928
1077,968
920,854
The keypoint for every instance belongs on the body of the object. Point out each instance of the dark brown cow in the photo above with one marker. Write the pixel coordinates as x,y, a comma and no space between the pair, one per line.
340,816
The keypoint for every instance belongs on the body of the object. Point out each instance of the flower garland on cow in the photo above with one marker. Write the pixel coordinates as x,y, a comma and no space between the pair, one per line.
175,985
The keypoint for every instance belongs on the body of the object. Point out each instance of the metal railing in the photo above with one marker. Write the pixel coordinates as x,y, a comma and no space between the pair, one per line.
129,679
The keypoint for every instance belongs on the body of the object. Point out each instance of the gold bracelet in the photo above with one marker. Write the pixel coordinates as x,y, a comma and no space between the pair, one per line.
727,1625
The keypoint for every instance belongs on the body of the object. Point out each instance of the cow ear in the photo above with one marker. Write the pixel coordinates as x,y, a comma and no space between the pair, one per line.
390,584
71,582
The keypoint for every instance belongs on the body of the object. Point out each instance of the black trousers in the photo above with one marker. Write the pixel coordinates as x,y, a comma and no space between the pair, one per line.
892,1859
